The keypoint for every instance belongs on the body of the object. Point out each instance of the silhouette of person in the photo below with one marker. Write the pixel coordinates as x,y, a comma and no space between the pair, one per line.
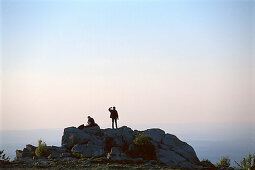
114,115
91,122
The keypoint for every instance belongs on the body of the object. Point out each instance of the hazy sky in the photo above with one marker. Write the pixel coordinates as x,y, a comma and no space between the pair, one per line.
158,62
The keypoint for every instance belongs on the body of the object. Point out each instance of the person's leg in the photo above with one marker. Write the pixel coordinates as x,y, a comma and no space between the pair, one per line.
113,123
116,123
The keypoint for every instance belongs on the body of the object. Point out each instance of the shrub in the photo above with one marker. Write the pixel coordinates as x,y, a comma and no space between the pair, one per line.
98,160
3,157
41,150
247,163
76,155
224,161
143,148
142,139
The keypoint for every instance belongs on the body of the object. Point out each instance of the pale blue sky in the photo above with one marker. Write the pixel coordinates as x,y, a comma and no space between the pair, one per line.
185,61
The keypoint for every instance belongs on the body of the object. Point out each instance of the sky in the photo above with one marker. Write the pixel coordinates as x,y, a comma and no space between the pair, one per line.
159,62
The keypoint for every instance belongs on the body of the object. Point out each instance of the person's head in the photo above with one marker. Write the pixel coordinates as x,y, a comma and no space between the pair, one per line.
113,108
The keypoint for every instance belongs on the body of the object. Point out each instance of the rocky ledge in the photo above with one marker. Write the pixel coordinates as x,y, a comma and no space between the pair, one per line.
114,145
97,148
96,142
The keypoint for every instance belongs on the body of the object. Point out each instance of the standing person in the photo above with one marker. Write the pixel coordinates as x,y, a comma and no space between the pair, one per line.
114,115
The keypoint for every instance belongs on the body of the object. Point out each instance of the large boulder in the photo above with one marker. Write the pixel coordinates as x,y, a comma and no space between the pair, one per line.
173,159
113,138
27,152
181,148
56,152
95,142
89,149
169,157
156,134
93,130
116,154
24,154
112,132
127,135
73,136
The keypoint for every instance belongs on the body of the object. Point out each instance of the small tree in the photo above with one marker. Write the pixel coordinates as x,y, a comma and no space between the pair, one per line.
3,157
224,161
247,163
41,150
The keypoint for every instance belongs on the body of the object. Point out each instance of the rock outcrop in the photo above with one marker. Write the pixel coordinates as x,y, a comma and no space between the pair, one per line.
118,145
96,142
28,151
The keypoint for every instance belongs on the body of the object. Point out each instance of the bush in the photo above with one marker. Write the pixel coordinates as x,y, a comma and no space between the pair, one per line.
76,155
100,160
143,148
3,157
41,150
224,161
247,163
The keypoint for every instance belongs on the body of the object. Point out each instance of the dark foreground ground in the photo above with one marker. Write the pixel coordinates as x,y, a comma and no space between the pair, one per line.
78,164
